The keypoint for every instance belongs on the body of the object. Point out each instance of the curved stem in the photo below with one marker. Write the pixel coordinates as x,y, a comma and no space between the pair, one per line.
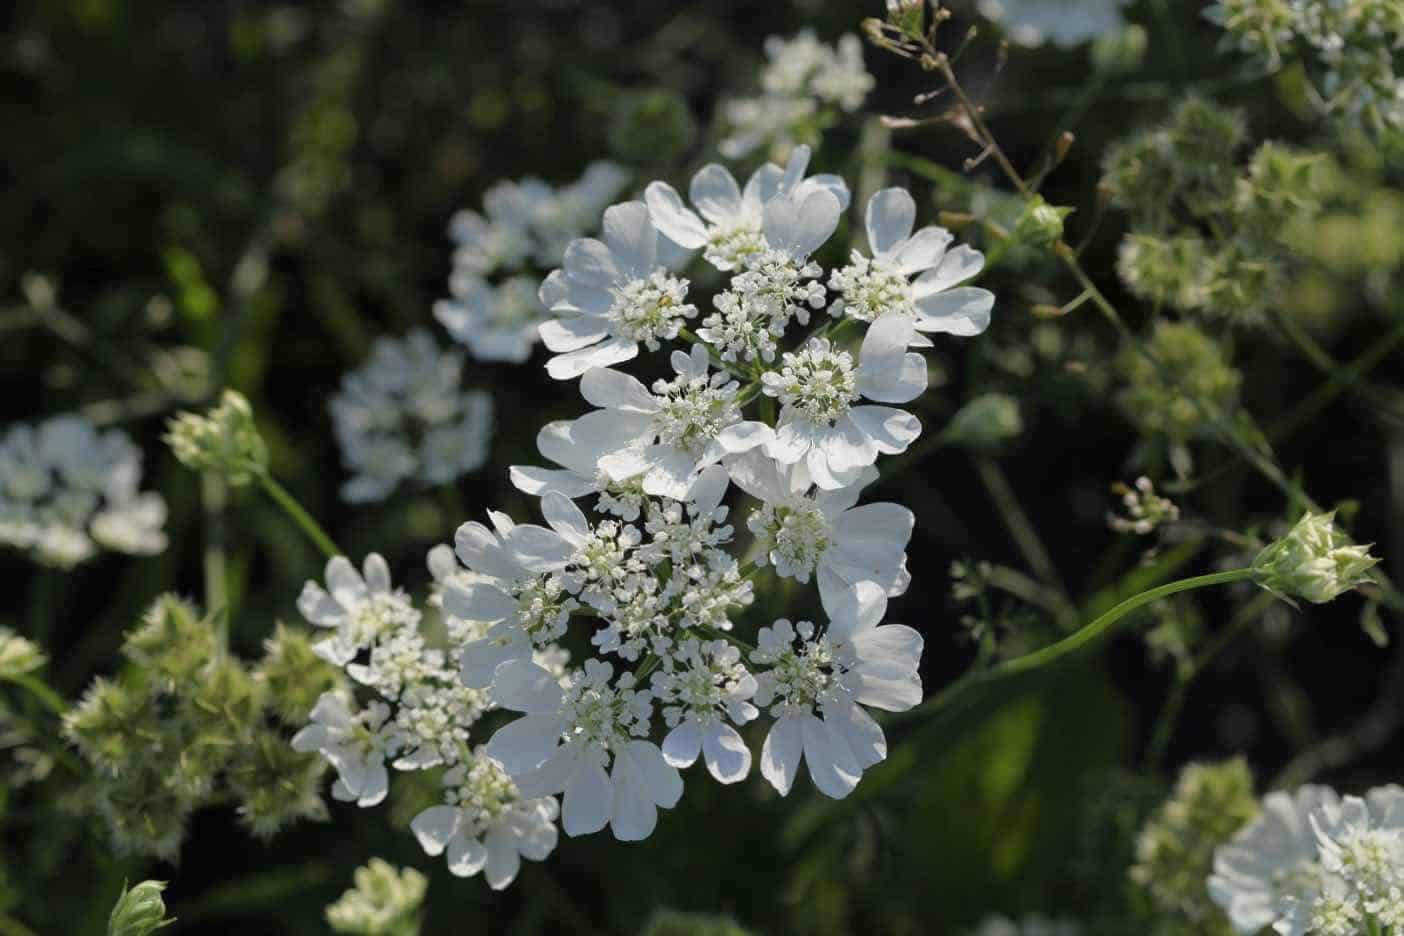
299,516
1073,642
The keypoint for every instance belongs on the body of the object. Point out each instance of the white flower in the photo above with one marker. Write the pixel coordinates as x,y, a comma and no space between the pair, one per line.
872,287
1270,859
502,238
1363,841
584,741
577,446
496,322
816,686
755,121
485,825
703,684
676,429
362,608
1062,22
804,65
728,221
569,211
821,421
822,533
612,294
402,416
356,744
66,488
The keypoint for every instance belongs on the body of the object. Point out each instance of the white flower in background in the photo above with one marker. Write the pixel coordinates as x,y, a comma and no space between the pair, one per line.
819,533
571,210
727,222
701,686
577,446
822,422
355,743
402,417
361,607
485,825
495,322
501,235
870,287
1273,858
586,742
801,76
613,294
66,488
817,684
675,429
1061,22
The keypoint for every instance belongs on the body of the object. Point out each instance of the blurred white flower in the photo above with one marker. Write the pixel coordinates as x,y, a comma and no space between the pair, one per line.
355,743
67,488
402,416
1061,22
495,322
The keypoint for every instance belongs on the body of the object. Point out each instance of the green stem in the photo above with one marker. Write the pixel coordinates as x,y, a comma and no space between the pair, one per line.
41,691
1020,528
299,516
216,567
1073,642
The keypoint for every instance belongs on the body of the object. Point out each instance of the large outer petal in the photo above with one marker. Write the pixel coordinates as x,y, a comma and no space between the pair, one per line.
890,216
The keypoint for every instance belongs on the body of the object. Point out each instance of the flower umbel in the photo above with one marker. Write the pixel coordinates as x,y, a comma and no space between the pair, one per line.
1315,562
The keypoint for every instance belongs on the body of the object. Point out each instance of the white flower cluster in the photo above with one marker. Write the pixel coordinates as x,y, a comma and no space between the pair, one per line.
654,586
402,417
1061,22
1354,50
417,717
67,489
524,227
1316,863
802,78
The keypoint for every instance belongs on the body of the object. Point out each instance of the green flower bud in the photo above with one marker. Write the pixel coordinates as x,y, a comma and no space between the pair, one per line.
1167,271
384,902
295,677
1282,187
18,655
1041,224
139,911
986,422
1315,562
224,442
172,644
1175,847
1121,50
110,724
274,785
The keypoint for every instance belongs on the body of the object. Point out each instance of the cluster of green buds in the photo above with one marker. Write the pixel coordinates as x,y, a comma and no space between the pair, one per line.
384,902
1176,382
223,442
1208,227
1175,846
18,655
139,910
1315,561
188,725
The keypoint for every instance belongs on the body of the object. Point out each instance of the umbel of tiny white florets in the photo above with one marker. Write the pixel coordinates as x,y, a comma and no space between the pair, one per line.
1315,562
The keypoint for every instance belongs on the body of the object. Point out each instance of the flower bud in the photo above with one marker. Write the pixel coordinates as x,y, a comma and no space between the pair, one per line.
18,655
1041,223
384,901
224,442
1315,562
907,16
139,911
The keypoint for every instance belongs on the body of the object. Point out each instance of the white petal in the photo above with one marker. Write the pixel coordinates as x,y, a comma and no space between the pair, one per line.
537,548
434,828
891,214
633,814
682,745
964,311
318,607
589,799
465,856
631,237
612,389
801,228
858,609
377,573
957,266
478,601
708,488
922,250
344,582
744,436
503,860
715,194
552,776
728,758
541,481
523,686
781,753
673,218
525,744
565,518
572,365
661,780
480,550
759,476
591,262
832,767
863,735
892,429
478,663
571,334
310,738
376,785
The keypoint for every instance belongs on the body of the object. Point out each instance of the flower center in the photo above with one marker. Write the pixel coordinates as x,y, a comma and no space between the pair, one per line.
819,382
650,309
694,411
731,245
483,792
800,675
868,288
601,716
543,608
793,535
381,613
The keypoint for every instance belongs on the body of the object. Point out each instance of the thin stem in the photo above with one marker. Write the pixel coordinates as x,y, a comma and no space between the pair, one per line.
1020,528
299,516
213,496
1073,642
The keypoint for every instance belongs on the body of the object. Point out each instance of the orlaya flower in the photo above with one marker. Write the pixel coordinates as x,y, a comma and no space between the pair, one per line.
822,422
613,294
703,685
728,221
818,684
356,744
485,825
678,427
496,322
360,607
802,531
577,446
584,741
871,287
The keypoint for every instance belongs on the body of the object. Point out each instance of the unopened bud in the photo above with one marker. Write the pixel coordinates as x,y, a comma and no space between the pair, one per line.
1315,562
139,911
225,441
